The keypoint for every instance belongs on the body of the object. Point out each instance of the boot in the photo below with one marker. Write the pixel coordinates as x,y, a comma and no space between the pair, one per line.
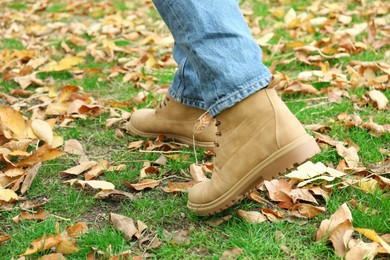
257,139
173,120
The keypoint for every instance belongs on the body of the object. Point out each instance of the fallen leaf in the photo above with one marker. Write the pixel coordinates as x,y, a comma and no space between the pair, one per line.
104,194
310,211
77,170
67,244
31,173
177,237
8,195
124,224
340,236
231,253
104,185
251,216
96,170
178,186
278,190
40,215
77,230
350,155
360,250
43,130
379,99
219,221
135,145
143,184
73,146
327,226
4,237
41,244
14,121
54,256
197,173
371,234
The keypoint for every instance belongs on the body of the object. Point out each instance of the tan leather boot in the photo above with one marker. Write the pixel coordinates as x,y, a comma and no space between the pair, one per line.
174,120
258,139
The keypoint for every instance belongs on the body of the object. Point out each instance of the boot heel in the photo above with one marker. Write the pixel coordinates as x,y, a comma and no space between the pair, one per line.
291,158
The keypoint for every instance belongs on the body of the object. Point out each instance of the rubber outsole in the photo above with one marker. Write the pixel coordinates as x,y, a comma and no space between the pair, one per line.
176,138
280,162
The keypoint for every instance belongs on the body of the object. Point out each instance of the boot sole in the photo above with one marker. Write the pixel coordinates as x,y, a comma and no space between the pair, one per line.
176,138
280,162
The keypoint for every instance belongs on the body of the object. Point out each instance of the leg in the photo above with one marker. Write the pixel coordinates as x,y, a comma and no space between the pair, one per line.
220,47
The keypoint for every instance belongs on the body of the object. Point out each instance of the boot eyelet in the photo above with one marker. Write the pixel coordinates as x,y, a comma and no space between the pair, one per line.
218,133
217,123
216,144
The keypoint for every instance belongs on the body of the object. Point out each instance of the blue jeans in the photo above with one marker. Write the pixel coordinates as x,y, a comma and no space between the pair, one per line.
219,61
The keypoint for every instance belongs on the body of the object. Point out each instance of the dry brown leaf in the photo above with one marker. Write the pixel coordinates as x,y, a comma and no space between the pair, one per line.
310,211
350,155
14,121
177,237
302,195
231,253
360,250
41,244
255,196
104,194
31,173
197,173
379,99
8,195
104,185
371,234
43,131
82,167
143,184
327,226
272,215
135,145
40,215
96,170
54,256
178,186
203,121
4,237
67,244
318,128
374,127
251,216
77,230
340,237
219,221
43,153
124,224
73,146
278,190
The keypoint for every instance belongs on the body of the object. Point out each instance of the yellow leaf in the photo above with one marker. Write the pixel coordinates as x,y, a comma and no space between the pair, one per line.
13,120
371,234
64,64
8,195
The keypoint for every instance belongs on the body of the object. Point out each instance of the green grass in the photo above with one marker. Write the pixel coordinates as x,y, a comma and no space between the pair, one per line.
11,44
166,212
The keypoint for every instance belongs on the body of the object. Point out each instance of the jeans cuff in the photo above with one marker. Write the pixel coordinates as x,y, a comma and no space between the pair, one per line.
242,92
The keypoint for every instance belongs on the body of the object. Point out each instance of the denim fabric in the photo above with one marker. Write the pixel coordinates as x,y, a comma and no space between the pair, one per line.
219,61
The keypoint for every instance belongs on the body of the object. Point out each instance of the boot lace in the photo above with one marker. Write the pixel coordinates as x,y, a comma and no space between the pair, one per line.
163,103
217,123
